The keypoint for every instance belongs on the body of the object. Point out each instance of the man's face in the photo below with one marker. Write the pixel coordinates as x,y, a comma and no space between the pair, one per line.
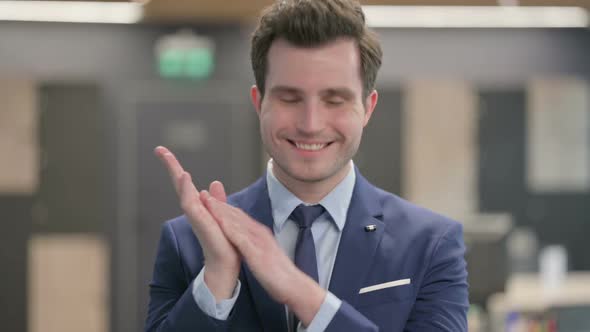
313,113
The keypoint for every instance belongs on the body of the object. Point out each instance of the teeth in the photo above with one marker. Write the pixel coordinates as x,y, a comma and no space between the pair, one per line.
309,147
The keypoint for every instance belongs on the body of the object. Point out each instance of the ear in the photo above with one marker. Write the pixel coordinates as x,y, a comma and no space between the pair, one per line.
256,98
370,104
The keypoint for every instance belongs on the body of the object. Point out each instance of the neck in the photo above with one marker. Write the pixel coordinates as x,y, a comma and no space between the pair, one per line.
310,192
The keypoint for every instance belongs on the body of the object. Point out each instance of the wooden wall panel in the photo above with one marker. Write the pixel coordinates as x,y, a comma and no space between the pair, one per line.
440,156
68,283
19,148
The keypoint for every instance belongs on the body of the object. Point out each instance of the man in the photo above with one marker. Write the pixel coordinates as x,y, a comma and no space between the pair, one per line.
260,260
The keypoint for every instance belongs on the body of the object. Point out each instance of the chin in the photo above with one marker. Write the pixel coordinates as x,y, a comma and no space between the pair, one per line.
313,175
309,178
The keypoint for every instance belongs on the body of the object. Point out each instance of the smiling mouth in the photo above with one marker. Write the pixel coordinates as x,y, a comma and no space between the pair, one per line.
309,146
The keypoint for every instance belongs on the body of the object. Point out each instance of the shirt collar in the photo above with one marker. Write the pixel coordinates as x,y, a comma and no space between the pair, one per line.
283,202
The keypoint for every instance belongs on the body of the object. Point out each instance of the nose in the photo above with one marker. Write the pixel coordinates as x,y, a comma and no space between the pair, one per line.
310,118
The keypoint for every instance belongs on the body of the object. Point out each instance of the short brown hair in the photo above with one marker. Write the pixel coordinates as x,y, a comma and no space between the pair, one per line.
311,23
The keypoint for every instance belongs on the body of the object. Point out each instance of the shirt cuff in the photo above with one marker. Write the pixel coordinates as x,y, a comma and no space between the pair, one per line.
327,311
206,300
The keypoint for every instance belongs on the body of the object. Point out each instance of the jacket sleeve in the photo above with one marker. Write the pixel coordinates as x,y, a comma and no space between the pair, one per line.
172,306
349,319
442,300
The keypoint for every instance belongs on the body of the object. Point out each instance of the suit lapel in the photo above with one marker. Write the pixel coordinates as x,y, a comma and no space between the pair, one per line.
357,246
272,314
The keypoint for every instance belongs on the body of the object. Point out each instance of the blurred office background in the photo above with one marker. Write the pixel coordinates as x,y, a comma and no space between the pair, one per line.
484,117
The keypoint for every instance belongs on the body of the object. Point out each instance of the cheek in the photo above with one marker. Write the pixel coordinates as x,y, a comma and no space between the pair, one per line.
266,117
274,121
266,130
270,127
351,126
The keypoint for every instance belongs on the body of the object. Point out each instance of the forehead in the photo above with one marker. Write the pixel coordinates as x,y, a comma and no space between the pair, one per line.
334,64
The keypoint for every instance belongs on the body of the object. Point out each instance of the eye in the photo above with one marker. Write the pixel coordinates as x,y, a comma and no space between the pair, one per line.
335,101
337,97
289,99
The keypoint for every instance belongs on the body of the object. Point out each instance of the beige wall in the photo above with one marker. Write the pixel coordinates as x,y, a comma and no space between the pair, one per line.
68,283
18,137
439,153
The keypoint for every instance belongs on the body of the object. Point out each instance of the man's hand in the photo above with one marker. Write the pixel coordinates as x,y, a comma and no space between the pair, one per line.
272,268
222,262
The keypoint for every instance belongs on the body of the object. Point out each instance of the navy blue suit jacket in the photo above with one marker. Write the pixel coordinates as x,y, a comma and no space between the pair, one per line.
409,243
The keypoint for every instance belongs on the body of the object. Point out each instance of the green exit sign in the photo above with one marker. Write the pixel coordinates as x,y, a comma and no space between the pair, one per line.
185,55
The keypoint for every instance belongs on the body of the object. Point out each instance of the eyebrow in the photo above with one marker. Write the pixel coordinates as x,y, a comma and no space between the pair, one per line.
341,91
284,89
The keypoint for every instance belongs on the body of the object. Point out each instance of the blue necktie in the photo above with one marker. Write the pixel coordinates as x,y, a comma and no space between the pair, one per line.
305,258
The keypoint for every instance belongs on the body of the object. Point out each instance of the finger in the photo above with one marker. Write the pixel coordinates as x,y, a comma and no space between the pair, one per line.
212,205
237,218
249,237
204,195
169,160
217,191
172,164
187,191
200,217
231,223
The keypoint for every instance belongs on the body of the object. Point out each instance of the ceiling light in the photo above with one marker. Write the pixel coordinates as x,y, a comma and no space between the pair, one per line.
71,11
475,17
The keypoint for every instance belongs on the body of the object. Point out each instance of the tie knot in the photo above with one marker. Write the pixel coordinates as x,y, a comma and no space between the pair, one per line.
305,215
